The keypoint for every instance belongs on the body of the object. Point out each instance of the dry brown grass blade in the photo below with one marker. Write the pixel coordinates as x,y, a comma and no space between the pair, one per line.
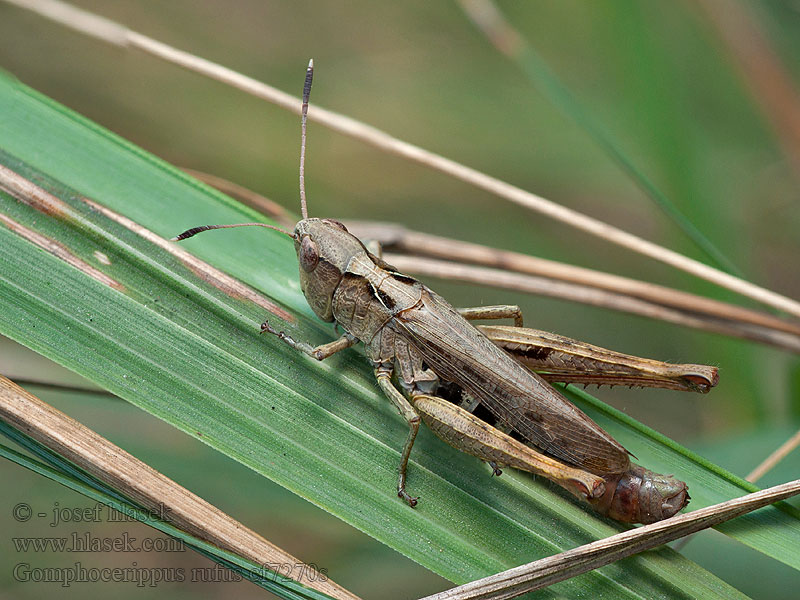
139,482
592,296
550,570
579,284
512,270
119,35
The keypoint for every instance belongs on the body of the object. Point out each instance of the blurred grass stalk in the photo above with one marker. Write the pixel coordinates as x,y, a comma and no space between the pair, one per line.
490,21
762,71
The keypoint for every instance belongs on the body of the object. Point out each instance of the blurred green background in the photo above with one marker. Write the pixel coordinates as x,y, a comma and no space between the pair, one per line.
657,76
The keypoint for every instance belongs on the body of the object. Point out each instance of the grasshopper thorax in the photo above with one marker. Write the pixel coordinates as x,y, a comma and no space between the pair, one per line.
324,249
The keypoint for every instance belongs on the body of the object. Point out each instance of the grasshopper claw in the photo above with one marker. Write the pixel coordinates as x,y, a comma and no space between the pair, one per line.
411,500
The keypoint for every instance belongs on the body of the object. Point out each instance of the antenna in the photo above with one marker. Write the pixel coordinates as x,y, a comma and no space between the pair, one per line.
306,94
195,230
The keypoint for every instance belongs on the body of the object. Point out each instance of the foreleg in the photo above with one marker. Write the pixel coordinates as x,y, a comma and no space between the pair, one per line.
320,352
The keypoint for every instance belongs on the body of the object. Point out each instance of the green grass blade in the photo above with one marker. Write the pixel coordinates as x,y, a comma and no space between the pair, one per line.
172,344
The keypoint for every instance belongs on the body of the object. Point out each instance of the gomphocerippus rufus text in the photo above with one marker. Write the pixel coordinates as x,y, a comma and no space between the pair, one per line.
476,387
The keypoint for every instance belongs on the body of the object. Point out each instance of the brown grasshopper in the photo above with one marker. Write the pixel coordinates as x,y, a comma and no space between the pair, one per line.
435,366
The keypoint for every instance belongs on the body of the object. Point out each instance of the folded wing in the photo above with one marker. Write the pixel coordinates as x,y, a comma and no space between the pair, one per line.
516,396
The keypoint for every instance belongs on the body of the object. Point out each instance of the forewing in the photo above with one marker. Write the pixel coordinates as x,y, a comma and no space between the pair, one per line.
459,353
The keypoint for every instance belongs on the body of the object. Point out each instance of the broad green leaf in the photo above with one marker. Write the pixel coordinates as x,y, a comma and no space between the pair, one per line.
168,341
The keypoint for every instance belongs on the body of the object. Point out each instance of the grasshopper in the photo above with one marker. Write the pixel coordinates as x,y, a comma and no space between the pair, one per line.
471,386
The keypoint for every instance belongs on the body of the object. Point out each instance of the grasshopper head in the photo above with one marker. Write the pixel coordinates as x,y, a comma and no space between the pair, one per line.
324,250
324,247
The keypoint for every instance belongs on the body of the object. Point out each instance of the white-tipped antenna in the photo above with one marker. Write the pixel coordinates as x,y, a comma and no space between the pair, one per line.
306,94
195,230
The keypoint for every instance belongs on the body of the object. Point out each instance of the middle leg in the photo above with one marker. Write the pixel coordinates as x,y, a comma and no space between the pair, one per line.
383,373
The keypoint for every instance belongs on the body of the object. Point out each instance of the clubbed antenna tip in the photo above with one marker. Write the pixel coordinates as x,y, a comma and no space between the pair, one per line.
309,77
191,232
195,230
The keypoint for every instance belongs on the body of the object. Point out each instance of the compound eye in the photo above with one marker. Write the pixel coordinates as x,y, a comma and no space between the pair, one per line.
338,224
309,255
